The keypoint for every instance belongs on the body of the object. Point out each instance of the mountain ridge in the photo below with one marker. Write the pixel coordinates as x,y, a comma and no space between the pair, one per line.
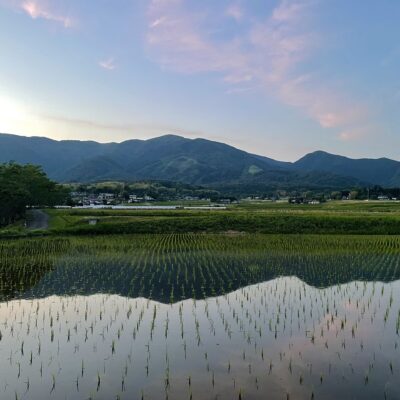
382,171
194,161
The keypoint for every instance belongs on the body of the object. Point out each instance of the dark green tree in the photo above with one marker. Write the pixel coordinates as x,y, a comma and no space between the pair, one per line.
23,186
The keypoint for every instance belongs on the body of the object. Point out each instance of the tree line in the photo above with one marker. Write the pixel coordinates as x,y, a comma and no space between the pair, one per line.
24,186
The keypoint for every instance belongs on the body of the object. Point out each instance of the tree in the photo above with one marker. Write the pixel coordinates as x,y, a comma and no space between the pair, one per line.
23,186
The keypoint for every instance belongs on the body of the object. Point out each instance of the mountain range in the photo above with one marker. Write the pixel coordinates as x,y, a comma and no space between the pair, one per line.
193,161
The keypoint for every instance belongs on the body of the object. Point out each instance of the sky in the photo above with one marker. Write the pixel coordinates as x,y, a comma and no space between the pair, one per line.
279,78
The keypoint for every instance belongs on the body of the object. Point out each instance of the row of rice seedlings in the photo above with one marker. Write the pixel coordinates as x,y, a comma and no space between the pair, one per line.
260,333
169,268
241,343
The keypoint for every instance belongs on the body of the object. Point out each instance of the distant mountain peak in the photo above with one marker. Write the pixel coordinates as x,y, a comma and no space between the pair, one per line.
195,161
381,171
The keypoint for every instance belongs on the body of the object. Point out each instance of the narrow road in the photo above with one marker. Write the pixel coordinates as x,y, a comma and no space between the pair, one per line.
37,219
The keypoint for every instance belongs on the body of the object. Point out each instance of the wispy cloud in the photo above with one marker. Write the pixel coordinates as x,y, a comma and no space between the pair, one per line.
356,133
108,64
288,10
139,129
235,11
38,9
270,55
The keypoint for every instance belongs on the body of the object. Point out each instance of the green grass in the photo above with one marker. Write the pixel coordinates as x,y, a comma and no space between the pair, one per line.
344,217
272,218
330,206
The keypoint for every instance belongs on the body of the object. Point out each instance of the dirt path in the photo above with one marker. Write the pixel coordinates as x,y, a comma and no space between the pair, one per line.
37,219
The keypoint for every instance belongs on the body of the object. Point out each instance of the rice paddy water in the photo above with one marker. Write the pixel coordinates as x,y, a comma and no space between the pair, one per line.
200,317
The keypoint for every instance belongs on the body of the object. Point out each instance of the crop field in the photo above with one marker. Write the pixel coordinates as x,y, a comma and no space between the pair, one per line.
200,316
336,217
333,217
169,268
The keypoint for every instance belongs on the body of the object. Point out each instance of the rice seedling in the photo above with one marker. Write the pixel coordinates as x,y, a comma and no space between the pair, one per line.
178,316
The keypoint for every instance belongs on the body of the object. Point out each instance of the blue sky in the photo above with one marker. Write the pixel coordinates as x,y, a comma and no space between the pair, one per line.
276,77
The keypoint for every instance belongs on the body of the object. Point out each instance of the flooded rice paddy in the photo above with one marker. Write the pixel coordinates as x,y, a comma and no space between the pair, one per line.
200,317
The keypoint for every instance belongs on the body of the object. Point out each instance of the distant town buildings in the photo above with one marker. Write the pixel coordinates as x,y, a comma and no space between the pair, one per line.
133,198
302,200
113,199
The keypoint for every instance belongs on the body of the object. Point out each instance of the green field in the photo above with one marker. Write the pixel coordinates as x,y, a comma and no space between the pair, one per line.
271,218
335,217
170,267
183,315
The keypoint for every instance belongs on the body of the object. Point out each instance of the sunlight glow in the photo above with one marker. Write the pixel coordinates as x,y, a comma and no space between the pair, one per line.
12,114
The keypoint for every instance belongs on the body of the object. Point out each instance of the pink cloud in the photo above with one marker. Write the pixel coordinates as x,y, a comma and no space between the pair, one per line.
235,11
269,54
289,10
355,133
108,64
39,9
330,108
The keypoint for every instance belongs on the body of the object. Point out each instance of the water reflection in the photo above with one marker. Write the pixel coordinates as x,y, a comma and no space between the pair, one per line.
278,339
200,317
173,276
